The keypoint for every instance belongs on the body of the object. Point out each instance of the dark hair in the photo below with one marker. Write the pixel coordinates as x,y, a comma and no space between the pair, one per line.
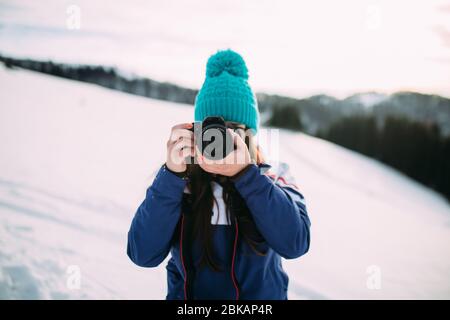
202,202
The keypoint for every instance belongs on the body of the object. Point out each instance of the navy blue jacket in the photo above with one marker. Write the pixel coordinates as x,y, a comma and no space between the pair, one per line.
279,213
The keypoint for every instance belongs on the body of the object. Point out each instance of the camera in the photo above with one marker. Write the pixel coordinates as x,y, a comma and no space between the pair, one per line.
212,138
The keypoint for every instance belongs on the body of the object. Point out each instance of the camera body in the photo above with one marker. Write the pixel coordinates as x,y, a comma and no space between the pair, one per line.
212,138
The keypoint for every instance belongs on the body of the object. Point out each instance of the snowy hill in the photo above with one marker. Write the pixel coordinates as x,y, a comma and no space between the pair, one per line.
76,160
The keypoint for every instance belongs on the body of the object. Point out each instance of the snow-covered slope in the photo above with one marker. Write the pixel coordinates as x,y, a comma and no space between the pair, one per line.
76,160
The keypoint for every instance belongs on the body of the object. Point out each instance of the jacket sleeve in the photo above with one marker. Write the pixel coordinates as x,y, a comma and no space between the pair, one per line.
279,211
155,220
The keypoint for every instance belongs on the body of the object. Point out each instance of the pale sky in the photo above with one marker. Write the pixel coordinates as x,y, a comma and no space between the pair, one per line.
296,48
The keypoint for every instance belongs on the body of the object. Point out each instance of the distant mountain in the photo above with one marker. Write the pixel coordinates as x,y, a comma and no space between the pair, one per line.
366,99
315,113
318,113
424,108
312,115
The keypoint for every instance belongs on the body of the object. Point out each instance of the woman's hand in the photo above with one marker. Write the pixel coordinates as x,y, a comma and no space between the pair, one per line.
232,164
179,147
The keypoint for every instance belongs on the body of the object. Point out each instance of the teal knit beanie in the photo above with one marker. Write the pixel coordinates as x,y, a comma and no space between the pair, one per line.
226,92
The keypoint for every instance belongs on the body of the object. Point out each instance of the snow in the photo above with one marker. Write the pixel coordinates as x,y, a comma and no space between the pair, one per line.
76,161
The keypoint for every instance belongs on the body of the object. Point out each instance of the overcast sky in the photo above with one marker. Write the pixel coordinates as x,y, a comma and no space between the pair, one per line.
294,47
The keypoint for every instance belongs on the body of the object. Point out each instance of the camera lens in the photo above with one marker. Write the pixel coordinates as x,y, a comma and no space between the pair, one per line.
215,141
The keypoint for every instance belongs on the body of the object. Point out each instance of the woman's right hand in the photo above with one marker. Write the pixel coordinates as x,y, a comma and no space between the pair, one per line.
179,147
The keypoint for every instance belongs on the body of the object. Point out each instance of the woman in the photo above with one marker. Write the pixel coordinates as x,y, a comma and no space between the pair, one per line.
226,224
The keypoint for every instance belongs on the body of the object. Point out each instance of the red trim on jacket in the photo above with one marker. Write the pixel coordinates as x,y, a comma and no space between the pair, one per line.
271,175
233,277
181,256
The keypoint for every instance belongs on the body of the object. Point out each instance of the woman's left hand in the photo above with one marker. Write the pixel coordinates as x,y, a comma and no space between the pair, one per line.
232,164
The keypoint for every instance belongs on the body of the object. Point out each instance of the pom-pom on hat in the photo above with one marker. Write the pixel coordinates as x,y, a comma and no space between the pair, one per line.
226,92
